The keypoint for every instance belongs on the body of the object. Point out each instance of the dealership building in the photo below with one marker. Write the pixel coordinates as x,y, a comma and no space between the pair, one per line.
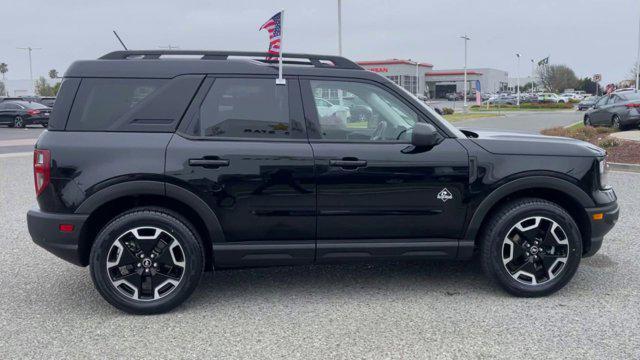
437,83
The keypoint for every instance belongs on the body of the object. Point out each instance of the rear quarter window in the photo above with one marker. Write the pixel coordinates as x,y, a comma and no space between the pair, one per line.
101,102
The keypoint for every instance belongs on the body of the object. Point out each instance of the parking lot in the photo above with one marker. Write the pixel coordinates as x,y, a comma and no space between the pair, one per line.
49,309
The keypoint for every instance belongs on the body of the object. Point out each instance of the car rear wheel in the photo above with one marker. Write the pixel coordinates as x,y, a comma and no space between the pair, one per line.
146,261
531,247
615,123
18,122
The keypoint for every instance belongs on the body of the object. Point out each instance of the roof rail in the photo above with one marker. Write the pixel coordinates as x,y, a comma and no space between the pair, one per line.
330,61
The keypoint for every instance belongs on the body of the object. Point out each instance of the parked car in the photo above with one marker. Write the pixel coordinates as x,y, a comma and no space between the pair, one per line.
22,113
551,98
503,100
587,103
454,96
47,101
156,171
618,110
332,115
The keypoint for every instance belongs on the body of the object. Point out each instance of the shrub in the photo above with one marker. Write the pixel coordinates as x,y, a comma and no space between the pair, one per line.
447,111
609,142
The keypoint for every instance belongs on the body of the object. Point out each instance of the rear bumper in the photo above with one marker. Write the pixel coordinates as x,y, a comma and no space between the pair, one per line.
599,228
44,229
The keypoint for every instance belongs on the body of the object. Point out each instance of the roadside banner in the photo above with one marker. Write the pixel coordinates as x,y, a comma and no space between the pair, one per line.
478,94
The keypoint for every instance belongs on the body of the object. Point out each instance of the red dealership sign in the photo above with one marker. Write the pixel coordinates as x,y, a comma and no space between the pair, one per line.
379,69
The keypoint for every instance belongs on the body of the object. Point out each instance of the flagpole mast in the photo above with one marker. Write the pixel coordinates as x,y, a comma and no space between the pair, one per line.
280,80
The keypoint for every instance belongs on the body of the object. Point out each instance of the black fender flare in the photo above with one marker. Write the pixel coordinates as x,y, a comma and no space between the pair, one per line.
531,182
148,187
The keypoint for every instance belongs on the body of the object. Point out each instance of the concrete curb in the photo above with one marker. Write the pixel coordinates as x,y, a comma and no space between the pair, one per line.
624,167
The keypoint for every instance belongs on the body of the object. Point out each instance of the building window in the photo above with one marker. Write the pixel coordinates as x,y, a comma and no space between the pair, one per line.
395,79
409,83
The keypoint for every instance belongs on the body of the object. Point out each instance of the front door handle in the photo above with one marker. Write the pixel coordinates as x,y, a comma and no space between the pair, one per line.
348,164
209,163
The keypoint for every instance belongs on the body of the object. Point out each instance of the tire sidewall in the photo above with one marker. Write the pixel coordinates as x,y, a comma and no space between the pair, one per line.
182,233
575,249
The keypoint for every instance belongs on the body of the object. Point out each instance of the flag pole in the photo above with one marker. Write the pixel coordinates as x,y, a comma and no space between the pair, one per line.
280,80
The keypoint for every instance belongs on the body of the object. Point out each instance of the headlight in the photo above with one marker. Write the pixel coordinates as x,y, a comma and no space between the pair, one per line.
604,174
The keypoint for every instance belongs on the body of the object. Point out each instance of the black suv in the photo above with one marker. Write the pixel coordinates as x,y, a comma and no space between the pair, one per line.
157,167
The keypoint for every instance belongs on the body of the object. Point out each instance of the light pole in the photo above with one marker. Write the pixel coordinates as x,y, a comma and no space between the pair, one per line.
533,77
29,50
638,58
518,80
464,103
417,79
340,27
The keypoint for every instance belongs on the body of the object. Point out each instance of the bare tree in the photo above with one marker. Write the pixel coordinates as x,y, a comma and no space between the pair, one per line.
557,77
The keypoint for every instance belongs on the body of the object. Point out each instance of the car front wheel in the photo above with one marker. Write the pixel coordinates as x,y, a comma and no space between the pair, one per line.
147,261
531,247
18,122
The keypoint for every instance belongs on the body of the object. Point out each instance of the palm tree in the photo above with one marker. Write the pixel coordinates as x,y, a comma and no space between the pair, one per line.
53,73
3,69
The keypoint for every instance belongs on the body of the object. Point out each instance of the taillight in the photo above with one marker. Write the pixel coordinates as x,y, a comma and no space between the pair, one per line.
33,112
41,169
633,105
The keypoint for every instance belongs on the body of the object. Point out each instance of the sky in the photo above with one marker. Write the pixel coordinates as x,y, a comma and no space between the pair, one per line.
590,36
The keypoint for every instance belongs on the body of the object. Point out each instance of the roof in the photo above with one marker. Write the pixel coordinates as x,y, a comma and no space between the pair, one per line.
447,73
392,62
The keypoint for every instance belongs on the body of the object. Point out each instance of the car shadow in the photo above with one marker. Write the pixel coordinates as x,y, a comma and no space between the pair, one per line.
448,278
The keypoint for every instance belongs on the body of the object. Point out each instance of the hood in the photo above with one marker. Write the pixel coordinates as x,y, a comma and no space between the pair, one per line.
510,143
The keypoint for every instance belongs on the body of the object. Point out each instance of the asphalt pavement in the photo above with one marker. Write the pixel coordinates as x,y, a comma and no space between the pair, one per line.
415,310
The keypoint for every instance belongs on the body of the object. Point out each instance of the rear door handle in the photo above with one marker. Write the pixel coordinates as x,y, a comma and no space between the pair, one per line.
209,163
348,164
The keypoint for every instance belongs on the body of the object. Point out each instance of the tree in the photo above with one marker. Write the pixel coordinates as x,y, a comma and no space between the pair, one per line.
43,88
3,90
557,77
589,86
53,73
3,69
56,88
632,75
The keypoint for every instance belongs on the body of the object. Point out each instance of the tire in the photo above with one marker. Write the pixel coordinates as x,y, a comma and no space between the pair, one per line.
615,123
509,265
147,246
18,122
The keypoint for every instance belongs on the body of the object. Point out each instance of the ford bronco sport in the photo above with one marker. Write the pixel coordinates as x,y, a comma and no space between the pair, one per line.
159,165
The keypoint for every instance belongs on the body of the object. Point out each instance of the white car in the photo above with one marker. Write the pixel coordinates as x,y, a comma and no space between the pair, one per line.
332,115
551,97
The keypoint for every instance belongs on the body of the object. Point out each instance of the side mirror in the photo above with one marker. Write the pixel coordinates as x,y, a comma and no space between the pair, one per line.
425,135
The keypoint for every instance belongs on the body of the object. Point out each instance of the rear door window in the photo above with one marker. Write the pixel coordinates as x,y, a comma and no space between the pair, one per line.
251,108
101,102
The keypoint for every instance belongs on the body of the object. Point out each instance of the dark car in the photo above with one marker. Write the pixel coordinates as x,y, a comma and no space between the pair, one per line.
618,110
455,96
155,169
22,113
47,101
587,103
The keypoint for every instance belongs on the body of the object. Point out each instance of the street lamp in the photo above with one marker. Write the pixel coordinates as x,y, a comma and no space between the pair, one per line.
340,27
29,50
638,58
533,77
518,80
464,104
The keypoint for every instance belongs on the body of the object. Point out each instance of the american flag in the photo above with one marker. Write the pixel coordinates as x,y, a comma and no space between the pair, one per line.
273,26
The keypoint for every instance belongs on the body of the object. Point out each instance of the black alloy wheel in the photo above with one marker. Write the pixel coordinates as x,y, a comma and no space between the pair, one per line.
147,261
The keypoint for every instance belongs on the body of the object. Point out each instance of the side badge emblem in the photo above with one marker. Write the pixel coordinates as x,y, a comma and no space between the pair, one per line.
444,195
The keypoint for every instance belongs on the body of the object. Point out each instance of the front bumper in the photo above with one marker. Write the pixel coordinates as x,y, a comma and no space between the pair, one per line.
44,229
599,228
